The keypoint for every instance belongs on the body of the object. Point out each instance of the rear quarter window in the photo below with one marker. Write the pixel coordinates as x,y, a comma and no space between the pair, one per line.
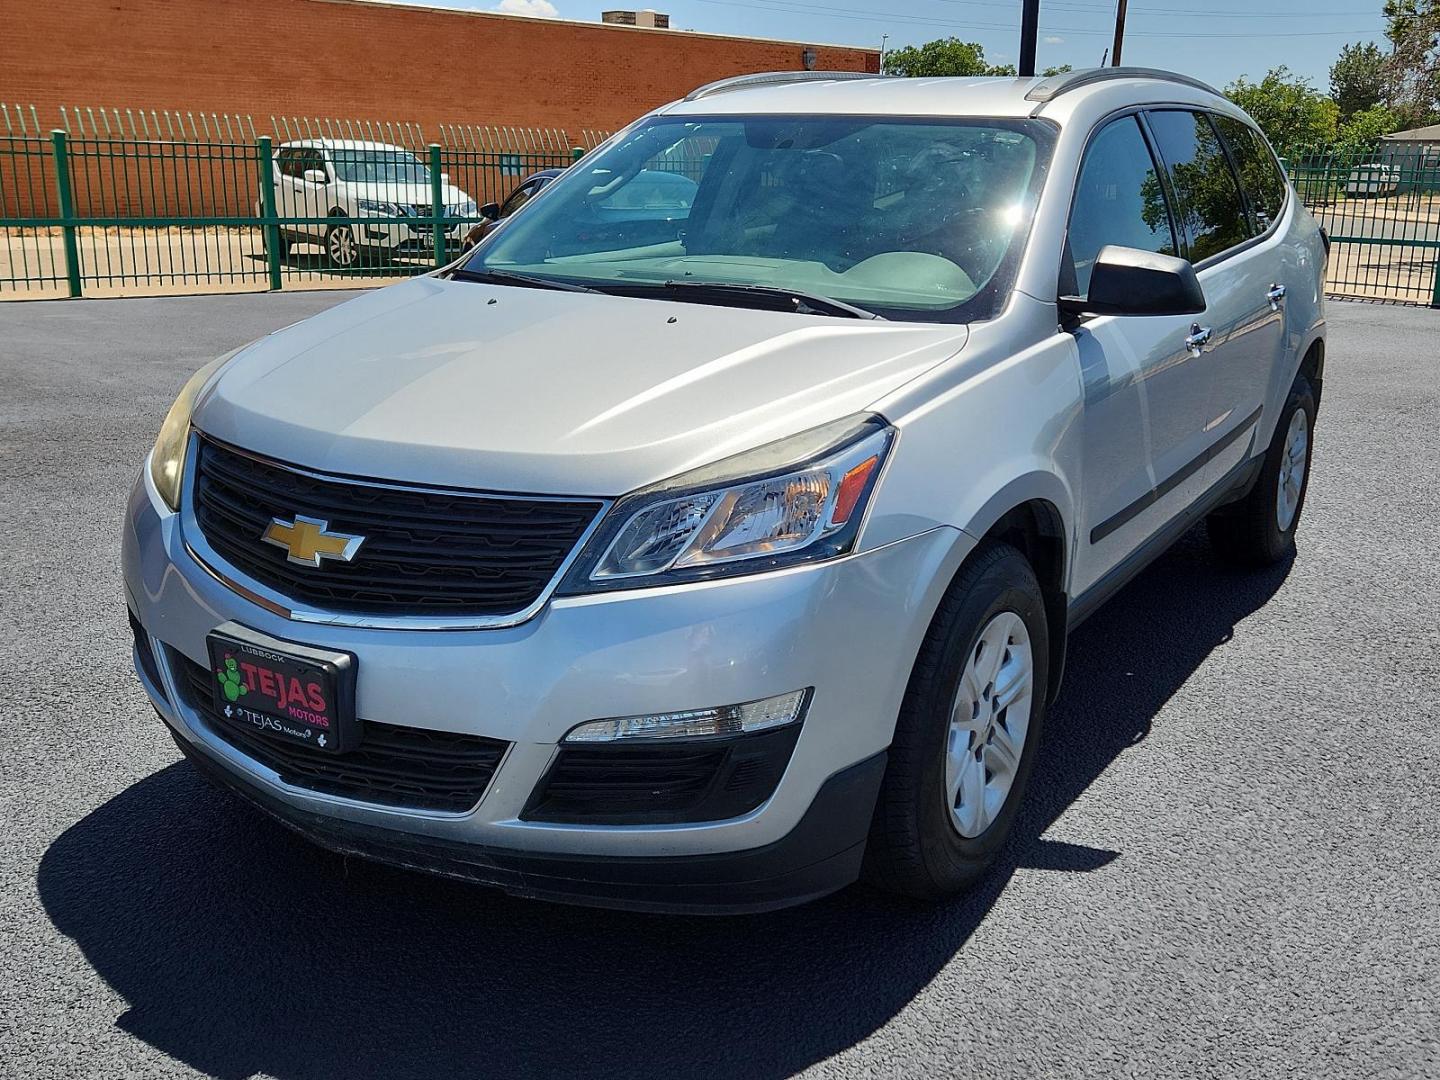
1260,177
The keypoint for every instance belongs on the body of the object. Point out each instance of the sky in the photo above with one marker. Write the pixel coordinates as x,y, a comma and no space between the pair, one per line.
1214,40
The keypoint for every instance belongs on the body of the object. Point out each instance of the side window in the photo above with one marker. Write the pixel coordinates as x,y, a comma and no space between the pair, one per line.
518,198
1118,201
286,162
313,159
1260,175
1206,194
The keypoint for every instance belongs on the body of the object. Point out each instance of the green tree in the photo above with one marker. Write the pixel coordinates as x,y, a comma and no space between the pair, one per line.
1357,78
945,56
1360,133
1293,114
1413,69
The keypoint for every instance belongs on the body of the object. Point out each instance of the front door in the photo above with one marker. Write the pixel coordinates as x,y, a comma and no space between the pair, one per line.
1146,389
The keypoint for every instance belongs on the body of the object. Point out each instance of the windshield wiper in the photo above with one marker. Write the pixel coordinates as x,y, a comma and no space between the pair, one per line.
511,277
803,303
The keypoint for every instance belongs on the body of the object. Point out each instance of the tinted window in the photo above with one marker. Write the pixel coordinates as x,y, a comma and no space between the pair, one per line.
518,198
1260,174
289,162
1206,195
1118,201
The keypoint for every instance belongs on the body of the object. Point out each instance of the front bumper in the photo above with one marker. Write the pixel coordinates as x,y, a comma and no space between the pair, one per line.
417,238
849,628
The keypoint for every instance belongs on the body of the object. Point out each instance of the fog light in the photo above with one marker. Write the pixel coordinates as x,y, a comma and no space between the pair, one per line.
762,715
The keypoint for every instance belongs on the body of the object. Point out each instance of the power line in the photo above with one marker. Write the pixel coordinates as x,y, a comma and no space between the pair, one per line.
918,20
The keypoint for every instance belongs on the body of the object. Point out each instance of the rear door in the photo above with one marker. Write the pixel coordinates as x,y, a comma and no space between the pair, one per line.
1145,391
1246,378
1237,270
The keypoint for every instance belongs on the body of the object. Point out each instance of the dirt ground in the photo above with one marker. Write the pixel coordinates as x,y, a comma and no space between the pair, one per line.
172,261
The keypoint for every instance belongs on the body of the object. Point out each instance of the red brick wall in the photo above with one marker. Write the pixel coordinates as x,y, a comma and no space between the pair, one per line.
346,58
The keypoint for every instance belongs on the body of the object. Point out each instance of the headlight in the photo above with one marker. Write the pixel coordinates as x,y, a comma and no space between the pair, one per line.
167,460
798,500
385,209
465,209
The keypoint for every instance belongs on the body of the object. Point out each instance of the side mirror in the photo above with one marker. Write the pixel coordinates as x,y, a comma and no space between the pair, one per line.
490,211
1128,281
315,176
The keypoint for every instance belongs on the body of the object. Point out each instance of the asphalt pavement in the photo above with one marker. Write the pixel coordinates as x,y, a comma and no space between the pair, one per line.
1227,866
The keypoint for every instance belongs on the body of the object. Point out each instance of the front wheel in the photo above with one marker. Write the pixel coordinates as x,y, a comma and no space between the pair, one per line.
1260,529
341,246
965,740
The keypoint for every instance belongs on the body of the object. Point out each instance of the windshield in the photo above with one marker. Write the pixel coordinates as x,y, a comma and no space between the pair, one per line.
913,219
379,167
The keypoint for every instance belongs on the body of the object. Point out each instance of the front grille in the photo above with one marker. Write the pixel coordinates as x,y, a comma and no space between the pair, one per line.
394,766
663,783
425,552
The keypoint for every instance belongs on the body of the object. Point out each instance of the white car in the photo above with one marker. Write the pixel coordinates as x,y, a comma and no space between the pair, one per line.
705,557
1373,180
358,197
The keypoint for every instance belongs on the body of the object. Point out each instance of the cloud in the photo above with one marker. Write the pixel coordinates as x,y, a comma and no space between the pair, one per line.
537,9
1051,40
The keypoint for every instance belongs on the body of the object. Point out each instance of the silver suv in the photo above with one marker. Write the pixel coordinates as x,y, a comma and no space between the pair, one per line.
705,553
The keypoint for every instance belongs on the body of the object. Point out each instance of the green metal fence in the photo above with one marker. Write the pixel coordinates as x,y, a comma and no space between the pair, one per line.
126,203
1381,207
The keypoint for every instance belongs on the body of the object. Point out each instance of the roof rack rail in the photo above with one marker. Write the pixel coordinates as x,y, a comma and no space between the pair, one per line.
774,78
1051,88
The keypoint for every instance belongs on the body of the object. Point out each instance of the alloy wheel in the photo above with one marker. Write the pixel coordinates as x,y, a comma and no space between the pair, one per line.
340,245
989,724
1292,470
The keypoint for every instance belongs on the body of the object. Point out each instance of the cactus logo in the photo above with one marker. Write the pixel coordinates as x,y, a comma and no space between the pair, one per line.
230,683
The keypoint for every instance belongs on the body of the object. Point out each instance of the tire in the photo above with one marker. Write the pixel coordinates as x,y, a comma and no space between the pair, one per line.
342,246
282,244
925,842
1259,530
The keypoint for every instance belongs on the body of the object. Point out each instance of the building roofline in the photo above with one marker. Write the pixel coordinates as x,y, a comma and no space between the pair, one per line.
614,27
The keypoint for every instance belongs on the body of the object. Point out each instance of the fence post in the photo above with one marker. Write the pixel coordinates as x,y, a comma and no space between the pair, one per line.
59,147
1435,288
576,153
437,205
267,208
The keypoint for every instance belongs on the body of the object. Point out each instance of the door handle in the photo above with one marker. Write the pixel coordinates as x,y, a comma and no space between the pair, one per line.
1275,294
1198,338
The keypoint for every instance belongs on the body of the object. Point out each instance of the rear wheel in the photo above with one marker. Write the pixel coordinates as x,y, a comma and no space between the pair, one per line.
1260,528
282,244
965,740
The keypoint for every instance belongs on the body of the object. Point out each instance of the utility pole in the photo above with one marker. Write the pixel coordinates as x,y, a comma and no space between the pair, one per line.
1119,33
1029,31
883,39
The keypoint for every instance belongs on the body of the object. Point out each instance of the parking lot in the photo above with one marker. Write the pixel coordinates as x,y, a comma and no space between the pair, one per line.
1227,866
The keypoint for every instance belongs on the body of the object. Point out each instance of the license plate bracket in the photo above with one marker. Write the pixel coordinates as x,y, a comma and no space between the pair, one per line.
284,690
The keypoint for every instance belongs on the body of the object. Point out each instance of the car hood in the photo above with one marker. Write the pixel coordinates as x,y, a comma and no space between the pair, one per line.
528,390
406,193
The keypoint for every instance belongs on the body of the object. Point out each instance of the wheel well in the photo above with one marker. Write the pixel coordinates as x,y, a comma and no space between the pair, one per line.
1037,531
1313,368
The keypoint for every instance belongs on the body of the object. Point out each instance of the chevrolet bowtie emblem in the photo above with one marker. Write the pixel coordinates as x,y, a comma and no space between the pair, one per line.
307,540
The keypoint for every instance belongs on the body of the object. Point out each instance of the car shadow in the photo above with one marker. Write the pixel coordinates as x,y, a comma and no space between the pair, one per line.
240,949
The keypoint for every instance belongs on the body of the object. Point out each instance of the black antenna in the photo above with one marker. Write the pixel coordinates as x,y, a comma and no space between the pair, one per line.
1029,31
